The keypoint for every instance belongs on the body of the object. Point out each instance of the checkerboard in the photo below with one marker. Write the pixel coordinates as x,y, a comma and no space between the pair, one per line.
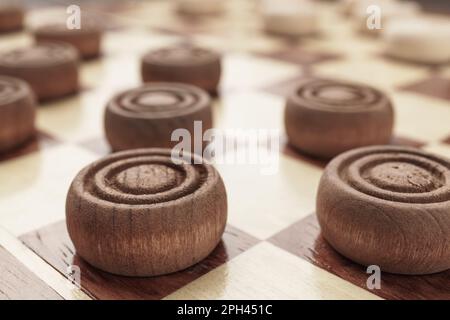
272,247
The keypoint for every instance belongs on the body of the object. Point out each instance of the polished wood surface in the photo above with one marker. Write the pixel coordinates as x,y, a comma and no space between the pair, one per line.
17,282
272,246
305,240
54,246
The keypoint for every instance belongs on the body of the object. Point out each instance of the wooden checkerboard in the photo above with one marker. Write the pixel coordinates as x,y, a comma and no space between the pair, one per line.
272,247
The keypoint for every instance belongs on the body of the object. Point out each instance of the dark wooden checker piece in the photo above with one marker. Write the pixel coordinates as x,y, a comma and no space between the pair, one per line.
11,18
17,113
138,213
388,206
304,240
147,116
87,40
53,245
326,117
185,64
51,69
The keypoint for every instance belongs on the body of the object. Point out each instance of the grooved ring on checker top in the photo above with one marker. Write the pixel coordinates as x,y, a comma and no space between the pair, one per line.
337,96
39,55
388,206
395,174
12,89
159,100
137,213
114,178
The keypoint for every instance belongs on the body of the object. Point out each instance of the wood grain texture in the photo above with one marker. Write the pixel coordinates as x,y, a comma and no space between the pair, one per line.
53,244
137,213
86,40
11,18
305,240
17,282
188,64
327,117
17,113
147,116
39,269
51,69
388,206
267,272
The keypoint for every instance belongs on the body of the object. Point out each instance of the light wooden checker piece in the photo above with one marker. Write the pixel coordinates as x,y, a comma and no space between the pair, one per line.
274,234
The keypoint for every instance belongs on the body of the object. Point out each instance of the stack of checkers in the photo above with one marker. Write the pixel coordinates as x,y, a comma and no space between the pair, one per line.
142,211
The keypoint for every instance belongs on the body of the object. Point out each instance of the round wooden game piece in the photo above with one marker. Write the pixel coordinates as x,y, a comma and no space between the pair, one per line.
326,117
290,17
11,18
200,7
147,116
51,69
140,213
17,113
86,40
186,64
388,206
418,40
